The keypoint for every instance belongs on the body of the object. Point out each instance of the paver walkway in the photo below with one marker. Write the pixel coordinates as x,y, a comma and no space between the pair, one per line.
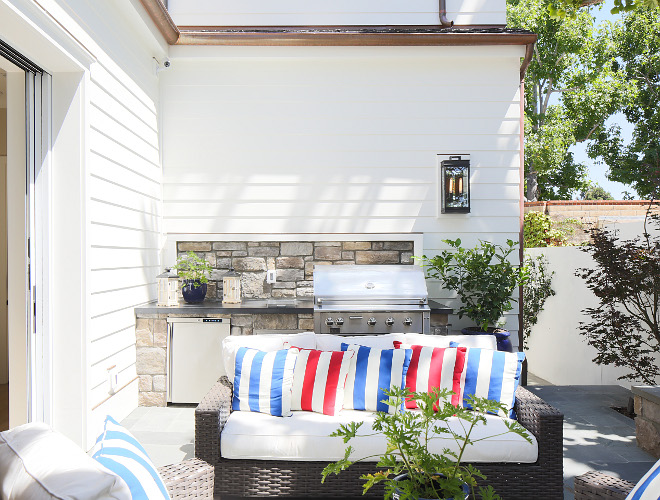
595,436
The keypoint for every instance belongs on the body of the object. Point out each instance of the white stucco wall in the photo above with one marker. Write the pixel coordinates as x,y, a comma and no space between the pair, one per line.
332,12
332,140
557,352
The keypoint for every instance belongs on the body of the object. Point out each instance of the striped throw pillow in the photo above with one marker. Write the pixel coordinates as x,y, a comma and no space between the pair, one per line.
432,367
118,451
373,371
492,374
648,488
262,381
318,380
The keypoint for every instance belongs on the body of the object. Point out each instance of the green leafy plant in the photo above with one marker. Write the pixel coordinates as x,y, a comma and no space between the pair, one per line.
483,277
539,230
536,291
625,326
192,268
408,434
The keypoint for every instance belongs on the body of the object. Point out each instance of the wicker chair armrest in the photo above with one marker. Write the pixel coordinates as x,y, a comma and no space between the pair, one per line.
596,485
210,417
192,478
545,422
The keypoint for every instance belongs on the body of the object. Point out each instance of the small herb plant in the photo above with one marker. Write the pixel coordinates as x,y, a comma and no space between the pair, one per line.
483,277
536,291
192,268
408,433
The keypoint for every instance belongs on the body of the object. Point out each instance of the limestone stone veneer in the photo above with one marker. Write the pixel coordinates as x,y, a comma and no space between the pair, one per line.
647,421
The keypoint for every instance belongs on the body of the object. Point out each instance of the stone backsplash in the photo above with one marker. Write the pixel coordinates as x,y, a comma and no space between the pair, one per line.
293,261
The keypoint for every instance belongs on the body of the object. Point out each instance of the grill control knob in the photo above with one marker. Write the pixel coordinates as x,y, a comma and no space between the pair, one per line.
407,321
389,321
339,321
328,321
371,321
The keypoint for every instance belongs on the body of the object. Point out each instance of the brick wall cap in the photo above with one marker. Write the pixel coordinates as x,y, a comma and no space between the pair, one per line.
589,202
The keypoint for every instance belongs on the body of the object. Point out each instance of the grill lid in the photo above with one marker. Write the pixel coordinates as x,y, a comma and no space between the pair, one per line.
395,284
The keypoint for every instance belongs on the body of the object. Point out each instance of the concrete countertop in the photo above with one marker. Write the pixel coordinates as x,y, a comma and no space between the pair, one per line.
254,306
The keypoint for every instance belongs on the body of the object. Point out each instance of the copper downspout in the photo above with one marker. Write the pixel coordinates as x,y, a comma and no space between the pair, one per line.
444,22
159,15
529,52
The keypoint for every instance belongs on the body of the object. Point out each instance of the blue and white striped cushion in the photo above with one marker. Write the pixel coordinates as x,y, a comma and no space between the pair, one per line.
491,374
371,372
648,487
263,380
118,451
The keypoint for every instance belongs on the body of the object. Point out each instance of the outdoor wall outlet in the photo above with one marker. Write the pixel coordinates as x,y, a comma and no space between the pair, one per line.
112,378
271,276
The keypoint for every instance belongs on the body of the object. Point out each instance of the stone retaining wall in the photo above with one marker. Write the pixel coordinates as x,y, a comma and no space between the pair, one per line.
293,261
647,421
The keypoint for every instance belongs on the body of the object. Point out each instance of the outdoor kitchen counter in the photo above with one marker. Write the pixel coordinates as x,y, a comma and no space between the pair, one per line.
253,306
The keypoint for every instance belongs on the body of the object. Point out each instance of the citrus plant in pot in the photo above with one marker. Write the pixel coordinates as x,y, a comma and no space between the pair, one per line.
484,279
409,469
194,271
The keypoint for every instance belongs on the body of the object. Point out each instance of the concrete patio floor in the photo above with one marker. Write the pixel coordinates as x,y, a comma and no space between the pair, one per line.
595,436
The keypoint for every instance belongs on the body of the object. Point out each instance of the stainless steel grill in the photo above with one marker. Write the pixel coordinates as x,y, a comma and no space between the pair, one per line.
354,300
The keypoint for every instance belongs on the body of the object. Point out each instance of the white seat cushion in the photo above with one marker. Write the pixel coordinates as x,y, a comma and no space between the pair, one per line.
305,437
326,342
266,342
41,464
482,341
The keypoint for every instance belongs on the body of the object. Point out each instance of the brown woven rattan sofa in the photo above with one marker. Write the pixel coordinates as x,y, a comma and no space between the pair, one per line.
251,478
598,486
189,479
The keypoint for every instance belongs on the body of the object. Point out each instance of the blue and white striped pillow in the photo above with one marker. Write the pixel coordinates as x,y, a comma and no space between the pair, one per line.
648,488
263,380
118,451
491,374
372,371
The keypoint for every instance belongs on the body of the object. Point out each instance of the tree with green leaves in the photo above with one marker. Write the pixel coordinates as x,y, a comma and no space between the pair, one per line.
569,8
596,192
571,89
636,41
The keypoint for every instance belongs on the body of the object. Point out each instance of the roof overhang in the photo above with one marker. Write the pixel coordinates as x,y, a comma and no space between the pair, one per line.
385,36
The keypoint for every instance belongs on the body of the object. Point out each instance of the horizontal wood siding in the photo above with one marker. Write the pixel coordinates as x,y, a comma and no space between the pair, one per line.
343,143
332,12
123,195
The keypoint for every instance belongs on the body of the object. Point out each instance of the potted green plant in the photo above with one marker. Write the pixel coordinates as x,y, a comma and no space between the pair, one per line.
484,279
408,469
194,271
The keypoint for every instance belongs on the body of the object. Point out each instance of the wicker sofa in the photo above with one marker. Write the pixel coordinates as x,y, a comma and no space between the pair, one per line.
595,485
251,478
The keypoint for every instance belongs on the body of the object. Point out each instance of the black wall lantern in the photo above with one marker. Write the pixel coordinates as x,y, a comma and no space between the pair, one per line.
455,175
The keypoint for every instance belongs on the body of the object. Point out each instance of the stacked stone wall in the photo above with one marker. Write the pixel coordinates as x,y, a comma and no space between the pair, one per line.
293,262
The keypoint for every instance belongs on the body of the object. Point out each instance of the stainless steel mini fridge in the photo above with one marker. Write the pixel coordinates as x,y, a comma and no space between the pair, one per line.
194,357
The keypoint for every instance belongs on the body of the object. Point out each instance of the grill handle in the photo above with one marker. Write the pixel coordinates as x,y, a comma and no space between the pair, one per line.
355,317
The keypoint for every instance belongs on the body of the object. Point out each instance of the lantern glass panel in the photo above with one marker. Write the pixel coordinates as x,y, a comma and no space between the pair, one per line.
456,182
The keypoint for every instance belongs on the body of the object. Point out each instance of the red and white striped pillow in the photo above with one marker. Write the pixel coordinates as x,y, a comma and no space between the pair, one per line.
435,367
318,380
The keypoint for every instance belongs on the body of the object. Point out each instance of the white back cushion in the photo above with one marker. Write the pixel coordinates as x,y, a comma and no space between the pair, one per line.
325,342
481,341
39,463
266,342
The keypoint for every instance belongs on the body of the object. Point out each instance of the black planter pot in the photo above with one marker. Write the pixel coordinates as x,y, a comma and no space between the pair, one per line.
193,291
397,493
501,335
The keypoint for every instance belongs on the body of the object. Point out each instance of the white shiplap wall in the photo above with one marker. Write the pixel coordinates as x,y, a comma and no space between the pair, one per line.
123,192
340,140
332,12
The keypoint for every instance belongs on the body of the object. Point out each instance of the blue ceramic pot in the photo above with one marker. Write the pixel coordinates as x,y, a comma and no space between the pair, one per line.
502,336
193,291
397,493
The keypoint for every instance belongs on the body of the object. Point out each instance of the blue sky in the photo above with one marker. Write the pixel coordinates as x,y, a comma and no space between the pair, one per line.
597,172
